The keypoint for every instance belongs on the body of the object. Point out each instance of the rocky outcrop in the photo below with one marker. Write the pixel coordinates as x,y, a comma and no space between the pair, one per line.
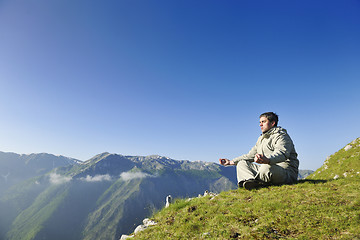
146,223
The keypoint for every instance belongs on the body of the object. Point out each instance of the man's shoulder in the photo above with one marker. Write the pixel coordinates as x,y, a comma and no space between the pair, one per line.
279,132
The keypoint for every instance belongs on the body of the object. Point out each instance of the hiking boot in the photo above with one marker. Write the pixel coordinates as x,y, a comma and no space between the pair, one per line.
241,184
251,184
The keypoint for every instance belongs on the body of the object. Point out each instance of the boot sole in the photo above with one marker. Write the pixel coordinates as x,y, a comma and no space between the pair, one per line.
249,185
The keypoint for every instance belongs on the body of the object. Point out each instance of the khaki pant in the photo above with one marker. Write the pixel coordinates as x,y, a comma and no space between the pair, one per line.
272,174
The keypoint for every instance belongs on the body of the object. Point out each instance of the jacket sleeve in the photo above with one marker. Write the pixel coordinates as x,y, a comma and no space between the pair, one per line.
282,148
247,157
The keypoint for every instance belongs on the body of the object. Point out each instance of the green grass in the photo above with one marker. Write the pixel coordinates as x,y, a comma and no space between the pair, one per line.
307,210
319,207
341,164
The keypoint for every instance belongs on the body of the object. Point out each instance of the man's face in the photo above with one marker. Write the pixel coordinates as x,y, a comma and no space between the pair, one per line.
265,124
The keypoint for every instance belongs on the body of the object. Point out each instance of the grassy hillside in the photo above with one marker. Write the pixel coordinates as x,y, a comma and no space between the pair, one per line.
319,207
103,223
343,164
29,222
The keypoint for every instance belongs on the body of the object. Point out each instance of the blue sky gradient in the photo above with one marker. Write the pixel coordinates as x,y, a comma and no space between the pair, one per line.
183,79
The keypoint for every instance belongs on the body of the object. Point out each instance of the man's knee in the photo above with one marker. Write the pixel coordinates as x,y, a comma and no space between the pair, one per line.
264,173
246,170
265,169
242,164
272,173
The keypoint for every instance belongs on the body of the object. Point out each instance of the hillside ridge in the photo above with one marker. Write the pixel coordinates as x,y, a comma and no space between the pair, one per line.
325,205
343,163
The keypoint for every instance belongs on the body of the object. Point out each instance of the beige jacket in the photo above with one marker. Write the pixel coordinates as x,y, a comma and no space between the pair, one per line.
278,147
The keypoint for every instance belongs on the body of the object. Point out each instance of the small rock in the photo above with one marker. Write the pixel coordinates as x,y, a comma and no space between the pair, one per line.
147,222
206,234
123,237
207,193
213,194
347,147
140,228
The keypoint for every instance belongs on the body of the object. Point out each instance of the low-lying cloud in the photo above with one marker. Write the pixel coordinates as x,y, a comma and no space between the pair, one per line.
97,178
58,179
133,175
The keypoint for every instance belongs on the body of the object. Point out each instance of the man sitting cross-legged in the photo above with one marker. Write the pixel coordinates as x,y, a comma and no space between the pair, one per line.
274,156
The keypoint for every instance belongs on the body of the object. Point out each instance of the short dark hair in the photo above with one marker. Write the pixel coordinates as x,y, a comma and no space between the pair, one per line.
272,117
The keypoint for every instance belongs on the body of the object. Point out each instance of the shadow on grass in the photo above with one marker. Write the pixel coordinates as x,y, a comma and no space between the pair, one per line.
313,181
301,181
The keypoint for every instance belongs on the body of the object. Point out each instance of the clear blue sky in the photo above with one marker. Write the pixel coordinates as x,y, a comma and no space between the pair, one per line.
185,79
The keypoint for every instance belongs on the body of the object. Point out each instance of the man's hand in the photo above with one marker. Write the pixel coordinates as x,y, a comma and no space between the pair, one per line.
226,162
261,159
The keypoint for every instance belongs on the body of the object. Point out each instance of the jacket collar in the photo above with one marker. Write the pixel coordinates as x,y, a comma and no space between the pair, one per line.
271,131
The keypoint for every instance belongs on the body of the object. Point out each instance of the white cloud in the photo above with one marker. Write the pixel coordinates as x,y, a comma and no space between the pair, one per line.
132,175
58,179
97,178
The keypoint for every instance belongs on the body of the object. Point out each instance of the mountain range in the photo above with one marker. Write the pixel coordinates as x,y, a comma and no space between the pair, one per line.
15,168
43,196
101,198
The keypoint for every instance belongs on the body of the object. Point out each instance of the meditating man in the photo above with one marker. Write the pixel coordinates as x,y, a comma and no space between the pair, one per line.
274,156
